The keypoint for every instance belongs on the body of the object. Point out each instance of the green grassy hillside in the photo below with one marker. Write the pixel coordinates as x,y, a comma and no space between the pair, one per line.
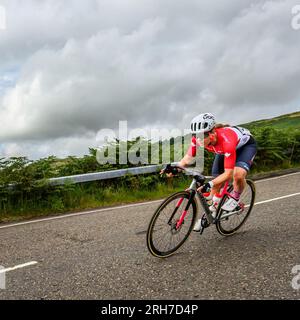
286,121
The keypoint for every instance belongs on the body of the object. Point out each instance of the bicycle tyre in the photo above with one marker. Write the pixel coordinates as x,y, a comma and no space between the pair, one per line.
151,228
219,226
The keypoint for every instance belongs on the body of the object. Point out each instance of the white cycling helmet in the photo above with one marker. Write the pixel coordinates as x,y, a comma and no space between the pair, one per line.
204,122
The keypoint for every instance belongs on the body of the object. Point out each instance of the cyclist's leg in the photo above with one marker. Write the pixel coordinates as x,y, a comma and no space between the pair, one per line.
239,180
217,169
243,164
244,160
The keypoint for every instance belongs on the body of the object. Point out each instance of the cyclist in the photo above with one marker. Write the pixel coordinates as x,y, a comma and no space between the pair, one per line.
235,150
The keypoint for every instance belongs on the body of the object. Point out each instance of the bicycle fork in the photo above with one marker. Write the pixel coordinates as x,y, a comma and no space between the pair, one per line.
193,191
208,214
180,221
185,211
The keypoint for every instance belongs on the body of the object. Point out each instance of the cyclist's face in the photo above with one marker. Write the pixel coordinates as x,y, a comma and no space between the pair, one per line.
206,140
209,138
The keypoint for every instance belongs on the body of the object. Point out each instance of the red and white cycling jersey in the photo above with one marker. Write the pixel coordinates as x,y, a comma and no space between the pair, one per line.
229,139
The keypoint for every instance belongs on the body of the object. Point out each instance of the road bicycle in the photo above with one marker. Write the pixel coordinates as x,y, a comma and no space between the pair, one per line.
174,219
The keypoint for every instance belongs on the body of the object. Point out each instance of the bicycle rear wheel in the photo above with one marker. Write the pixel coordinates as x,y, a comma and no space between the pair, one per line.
229,222
164,237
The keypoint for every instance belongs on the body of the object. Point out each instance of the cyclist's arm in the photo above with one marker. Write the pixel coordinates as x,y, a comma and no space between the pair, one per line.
226,175
186,161
189,158
229,161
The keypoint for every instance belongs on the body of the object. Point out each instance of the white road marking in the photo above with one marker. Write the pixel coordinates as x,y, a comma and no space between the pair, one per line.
79,214
274,199
18,266
287,175
268,179
129,206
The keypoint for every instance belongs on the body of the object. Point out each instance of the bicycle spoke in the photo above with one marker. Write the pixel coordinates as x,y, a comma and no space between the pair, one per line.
165,237
162,238
230,222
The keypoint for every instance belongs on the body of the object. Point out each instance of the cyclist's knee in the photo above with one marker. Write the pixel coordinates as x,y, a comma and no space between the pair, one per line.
239,174
242,167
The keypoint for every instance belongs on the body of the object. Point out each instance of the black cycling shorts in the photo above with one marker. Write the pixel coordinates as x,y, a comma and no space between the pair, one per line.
244,158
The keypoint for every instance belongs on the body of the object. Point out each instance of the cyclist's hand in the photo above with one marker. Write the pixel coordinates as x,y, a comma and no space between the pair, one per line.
206,187
162,171
169,171
169,175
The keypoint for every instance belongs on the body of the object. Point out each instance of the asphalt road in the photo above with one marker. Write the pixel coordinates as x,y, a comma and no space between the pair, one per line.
103,255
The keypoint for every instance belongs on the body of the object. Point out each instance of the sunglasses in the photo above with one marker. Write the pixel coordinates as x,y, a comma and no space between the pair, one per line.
206,134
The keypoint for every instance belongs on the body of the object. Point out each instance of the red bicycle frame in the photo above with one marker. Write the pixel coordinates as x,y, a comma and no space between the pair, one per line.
184,213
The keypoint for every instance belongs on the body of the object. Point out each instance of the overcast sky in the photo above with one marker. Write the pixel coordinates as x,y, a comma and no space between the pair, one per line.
71,68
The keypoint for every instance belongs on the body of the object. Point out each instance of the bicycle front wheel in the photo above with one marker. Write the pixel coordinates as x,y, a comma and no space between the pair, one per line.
165,235
229,222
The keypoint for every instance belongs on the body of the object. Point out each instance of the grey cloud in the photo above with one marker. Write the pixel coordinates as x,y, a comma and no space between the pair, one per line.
87,65
61,147
260,59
